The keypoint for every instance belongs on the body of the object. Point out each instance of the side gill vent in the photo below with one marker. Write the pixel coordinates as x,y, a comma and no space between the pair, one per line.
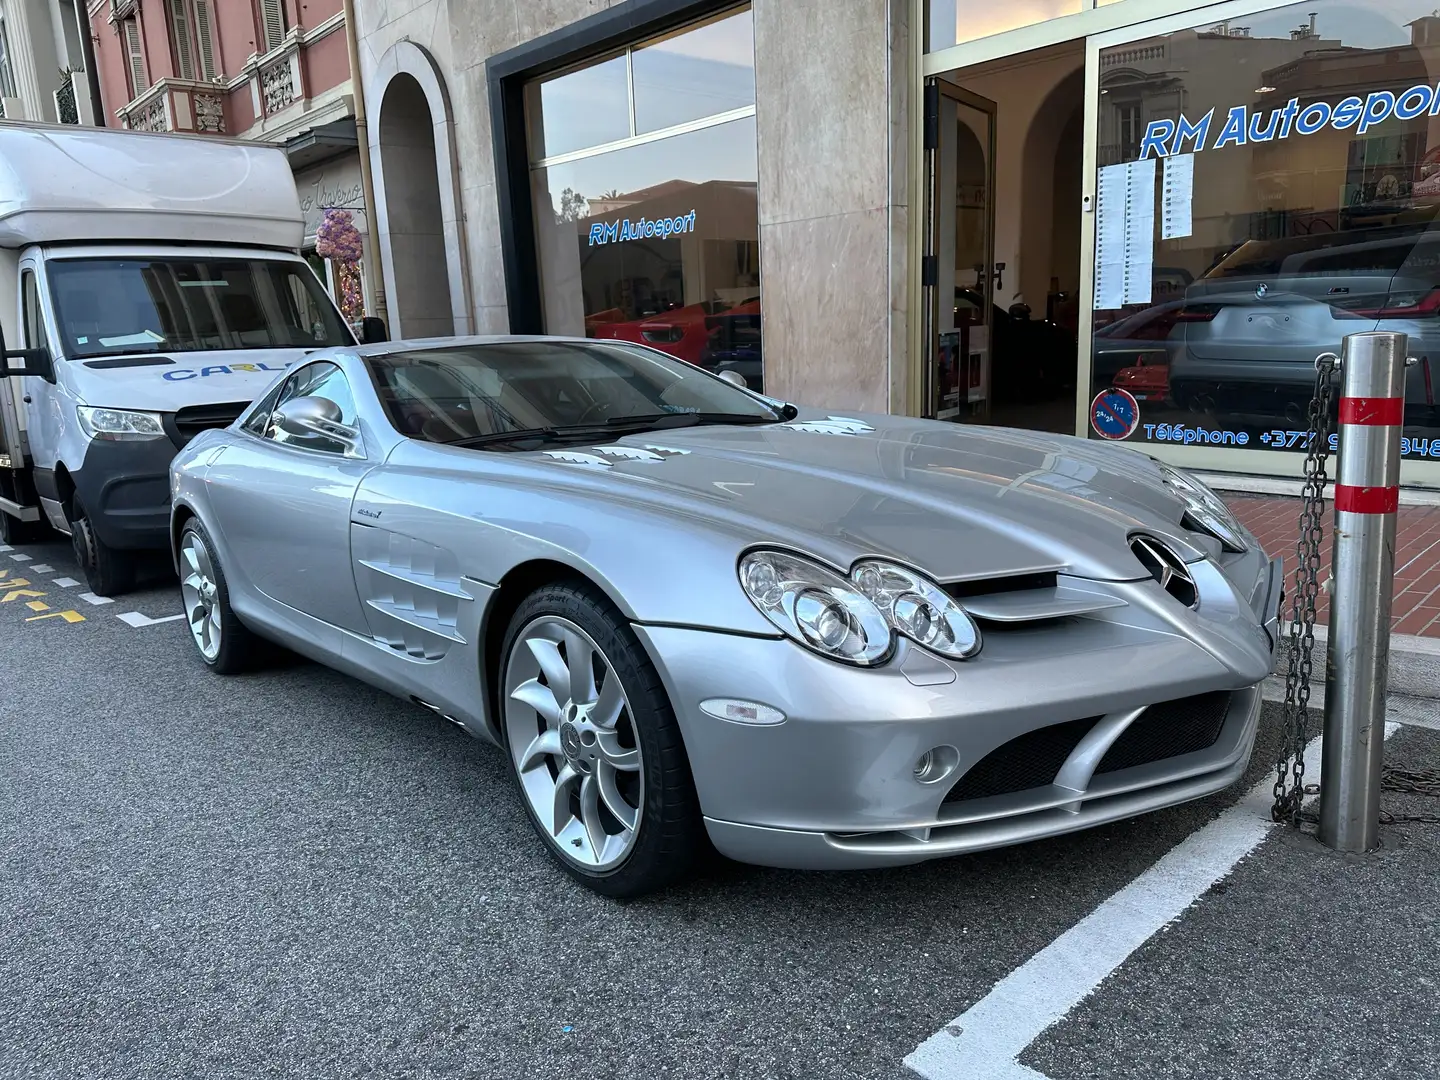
1166,567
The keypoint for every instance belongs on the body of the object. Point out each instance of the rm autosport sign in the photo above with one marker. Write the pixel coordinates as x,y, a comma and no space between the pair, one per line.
1243,125
613,232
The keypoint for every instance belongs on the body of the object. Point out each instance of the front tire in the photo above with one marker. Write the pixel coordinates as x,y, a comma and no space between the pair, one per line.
225,645
107,571
594,745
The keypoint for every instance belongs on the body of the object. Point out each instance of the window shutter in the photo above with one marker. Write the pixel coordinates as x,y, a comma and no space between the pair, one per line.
184,54
136,54
273,16
203,35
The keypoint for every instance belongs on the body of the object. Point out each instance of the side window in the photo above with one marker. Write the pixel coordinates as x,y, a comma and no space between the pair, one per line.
323,380
35,337
259,420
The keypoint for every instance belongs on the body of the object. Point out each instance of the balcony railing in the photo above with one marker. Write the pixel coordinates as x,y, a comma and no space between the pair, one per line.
67,106
177,105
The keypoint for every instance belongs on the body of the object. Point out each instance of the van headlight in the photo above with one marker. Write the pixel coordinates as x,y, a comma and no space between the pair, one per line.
1206,510
120,425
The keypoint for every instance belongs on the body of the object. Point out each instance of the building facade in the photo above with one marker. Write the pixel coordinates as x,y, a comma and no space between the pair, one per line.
1130,220
276,71
47,70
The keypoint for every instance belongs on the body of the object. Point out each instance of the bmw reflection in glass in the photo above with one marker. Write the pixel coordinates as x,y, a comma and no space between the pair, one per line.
691,615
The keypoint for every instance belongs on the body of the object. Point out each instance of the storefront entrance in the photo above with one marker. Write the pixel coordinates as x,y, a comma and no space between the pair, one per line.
1004,152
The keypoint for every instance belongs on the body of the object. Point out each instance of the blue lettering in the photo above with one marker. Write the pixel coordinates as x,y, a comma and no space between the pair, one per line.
1149,430
1287,116
1378,107
1157,132
1312,118
1242,437
218,369
612,231
1195,133
1233,133
1422,97
1256,135
597,234
176,376
1346,113
266,367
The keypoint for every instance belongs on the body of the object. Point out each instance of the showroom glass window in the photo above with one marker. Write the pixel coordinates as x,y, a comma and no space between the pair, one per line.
643,179
1266,186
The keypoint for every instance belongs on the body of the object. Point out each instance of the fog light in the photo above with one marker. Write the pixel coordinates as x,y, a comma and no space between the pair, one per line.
741,712
936,764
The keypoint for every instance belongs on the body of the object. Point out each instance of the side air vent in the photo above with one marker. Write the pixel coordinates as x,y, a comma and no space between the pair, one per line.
1166,567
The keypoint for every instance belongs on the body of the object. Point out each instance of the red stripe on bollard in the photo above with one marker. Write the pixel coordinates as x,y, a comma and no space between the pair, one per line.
1372,412
1367,500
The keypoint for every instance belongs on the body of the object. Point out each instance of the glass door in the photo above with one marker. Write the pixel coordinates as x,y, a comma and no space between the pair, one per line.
959,268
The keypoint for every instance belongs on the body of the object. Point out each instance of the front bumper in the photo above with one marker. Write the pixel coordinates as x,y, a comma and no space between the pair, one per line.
125,489
834,786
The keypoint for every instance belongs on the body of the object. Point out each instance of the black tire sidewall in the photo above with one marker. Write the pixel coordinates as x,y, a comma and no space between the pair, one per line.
671,833
107,572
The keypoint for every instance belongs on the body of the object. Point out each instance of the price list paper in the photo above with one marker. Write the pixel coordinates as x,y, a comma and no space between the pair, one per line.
1125,234
1177,195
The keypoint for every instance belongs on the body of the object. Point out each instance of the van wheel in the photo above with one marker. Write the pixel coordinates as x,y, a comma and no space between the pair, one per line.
108,572
15,531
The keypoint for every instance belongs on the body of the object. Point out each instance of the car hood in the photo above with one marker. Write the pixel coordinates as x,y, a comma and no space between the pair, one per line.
959,502
155,385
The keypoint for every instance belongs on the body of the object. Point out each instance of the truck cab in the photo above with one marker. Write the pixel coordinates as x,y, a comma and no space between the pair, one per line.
150,288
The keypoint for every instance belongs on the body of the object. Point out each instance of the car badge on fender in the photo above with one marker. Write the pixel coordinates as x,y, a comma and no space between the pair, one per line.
1261,290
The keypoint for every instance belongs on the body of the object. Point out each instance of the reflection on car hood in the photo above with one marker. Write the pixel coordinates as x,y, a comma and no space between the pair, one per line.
960,502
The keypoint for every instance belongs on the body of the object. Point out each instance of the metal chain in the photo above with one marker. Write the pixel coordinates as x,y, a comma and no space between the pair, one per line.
1290,768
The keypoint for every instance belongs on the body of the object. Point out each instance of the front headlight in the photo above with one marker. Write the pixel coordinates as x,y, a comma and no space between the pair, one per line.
918,608
119,425
817,607
1205,509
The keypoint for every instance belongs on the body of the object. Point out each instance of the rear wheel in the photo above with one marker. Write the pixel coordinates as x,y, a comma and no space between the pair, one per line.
594,745
15,531
224,643
107,571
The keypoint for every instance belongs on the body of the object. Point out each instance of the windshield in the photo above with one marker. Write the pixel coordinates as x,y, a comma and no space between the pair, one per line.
115,306
478,392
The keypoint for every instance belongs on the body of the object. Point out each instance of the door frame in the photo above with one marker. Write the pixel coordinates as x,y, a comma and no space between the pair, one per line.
935,88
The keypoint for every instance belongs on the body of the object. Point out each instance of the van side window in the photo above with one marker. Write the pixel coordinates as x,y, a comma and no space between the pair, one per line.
34,320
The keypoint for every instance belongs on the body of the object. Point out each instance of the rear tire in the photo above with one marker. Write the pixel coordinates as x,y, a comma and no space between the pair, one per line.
618,743
223,642
14,531
107,571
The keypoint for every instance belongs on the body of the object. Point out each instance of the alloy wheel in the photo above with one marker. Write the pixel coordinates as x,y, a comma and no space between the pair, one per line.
200,595
573,744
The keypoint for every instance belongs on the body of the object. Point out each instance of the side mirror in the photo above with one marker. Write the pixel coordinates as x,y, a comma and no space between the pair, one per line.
307,417
37,362
734,378
373,330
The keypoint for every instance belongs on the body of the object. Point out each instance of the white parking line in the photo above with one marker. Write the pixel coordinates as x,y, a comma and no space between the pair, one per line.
42,568
96,601
135,619
66,582
19,556
987,1039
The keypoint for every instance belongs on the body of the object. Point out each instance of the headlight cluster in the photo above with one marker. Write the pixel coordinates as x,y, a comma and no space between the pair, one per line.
855,620
1206,509
119,425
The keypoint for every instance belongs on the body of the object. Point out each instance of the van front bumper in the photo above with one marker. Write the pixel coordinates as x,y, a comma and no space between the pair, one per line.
125,489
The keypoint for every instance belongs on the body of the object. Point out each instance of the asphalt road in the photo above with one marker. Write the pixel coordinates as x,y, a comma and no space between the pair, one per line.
290,874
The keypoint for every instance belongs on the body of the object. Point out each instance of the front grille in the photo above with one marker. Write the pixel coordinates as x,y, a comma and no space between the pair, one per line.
1164,730
1169,729
1026,761
193,419
1045,579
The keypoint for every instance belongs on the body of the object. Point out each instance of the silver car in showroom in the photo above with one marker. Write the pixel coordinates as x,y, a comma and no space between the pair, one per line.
689,613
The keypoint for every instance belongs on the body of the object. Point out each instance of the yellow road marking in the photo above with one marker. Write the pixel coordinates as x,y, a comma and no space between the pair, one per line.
68,616
15,594
37,605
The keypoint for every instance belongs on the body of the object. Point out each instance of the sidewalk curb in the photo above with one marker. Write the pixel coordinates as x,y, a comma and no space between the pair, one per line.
1414,663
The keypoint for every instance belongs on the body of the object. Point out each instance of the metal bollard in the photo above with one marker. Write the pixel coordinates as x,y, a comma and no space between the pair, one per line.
1367,495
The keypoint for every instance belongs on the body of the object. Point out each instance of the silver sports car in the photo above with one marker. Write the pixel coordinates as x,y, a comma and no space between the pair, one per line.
689,612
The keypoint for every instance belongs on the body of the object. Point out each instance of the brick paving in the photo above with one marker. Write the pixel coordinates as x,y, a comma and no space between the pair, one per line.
1275,521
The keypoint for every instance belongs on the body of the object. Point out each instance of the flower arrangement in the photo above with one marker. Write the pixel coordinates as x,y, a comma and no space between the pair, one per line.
338,239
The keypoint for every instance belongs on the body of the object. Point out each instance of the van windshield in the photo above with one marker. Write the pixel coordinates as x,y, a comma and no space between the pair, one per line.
115,306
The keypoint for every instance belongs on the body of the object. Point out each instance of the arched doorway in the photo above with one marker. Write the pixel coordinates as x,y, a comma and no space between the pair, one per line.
419,279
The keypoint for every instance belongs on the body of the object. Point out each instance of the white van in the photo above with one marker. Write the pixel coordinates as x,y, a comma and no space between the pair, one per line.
157,290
